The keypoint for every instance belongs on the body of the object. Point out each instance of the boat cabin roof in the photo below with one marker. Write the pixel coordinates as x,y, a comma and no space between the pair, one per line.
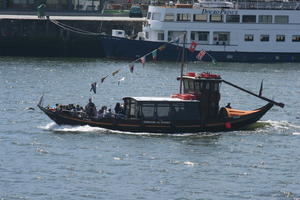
202,77
158,99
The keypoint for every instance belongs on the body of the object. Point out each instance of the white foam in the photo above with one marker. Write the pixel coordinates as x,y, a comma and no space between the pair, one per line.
83,129
296,133
189,163
281,124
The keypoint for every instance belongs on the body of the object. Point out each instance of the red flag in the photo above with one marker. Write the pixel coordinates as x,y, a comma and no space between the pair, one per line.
200,55
143,60
193,46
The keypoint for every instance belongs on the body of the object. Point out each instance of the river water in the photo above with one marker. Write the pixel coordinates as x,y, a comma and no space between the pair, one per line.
41,160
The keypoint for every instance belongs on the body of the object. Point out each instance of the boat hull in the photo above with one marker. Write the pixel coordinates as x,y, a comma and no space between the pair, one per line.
135,125
117,48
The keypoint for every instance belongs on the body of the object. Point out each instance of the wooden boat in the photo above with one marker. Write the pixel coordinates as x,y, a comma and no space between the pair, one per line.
194,110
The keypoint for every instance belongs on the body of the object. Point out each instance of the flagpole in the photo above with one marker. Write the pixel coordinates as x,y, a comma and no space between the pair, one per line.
182,62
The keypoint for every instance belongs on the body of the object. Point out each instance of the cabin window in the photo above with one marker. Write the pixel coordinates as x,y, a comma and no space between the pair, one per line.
280,38
132,108
197,87
149,15
200,18
192,35
249,37
207,86
169,17
156,16
160,36
191,85
216,87
249,19
281,19
183,17
163,110
264,38
148,110
296,38
186,86
147,35
216,18
233,18
265,19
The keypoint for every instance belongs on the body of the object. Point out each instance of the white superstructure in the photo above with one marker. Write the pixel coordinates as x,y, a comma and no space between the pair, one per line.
268,27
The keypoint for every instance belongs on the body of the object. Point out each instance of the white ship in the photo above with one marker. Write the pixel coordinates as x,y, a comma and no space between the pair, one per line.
226,31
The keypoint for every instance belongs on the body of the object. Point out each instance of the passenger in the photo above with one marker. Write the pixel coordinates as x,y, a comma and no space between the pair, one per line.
108,114
90,108
228,105
118,108
78,109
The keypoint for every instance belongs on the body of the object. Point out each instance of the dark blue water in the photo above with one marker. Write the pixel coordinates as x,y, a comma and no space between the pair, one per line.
40,160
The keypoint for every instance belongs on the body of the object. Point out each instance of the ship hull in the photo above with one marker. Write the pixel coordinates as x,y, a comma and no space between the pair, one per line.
122,48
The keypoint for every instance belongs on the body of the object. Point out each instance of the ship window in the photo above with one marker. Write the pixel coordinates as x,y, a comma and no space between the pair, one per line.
169,17
280,38
147,35
192,35
233,18
160,36
265,19
249,37
296,38
249,18
264,38
186,111
216,18
149,15
155,16
183,17
216,88
203,36
186,86
281,19
148,110
163,110
200,18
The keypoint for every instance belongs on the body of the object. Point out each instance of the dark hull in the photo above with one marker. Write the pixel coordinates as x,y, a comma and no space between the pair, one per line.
115,47
225,124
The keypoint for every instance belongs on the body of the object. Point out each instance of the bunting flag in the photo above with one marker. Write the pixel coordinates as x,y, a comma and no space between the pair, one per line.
154,54
261,88
93,87
162,47
193,46
122,79
200,55
143,60
115,72
131,67
103,78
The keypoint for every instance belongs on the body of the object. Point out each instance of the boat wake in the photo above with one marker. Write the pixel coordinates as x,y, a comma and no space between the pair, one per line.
282,126
88,129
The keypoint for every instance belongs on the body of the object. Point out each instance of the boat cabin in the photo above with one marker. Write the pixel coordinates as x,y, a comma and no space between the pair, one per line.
161,109
205,88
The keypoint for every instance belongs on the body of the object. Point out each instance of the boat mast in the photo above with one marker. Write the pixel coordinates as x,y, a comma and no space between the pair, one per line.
182,62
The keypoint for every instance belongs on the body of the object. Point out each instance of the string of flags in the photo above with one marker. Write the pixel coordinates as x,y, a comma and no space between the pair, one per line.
154,54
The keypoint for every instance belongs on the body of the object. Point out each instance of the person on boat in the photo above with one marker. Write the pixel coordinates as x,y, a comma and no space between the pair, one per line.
108,114
90,108
118,108
228,105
